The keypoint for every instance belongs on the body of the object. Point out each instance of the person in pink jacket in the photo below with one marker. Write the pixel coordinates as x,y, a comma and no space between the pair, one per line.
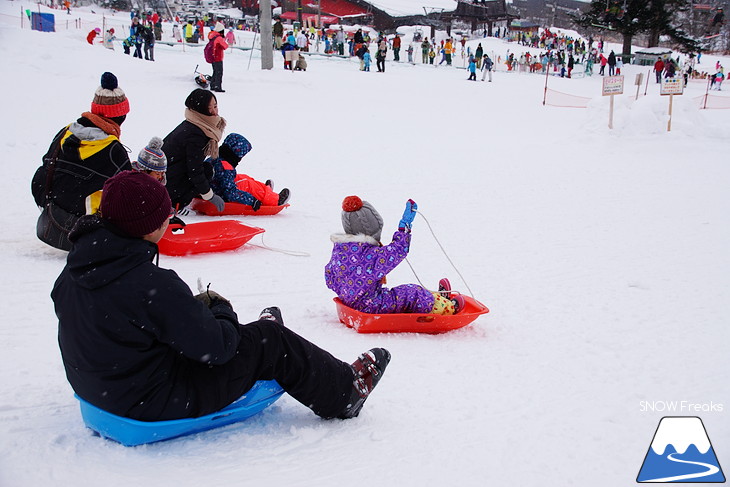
219,46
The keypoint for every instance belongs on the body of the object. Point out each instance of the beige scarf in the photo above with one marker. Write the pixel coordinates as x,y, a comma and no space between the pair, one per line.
211,125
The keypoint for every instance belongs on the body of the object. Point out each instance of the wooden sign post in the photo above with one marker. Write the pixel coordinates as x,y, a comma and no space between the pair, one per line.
639,81
612,85
671,87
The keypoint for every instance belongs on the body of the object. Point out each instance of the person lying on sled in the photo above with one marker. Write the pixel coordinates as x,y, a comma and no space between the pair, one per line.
246,190
359,264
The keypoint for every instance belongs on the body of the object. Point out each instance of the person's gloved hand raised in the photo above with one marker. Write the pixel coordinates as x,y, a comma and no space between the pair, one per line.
408,215
220,205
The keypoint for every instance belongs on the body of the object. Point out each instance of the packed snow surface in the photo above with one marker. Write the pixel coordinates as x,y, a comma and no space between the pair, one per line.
602,255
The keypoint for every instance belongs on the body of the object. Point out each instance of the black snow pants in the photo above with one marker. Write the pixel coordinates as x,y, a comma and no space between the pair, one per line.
268,350
216,83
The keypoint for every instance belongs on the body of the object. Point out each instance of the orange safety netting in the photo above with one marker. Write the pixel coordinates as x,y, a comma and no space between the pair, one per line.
560,99
713,101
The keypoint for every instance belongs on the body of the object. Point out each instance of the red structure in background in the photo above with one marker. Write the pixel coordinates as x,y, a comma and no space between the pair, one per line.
326,19
338,8
331,10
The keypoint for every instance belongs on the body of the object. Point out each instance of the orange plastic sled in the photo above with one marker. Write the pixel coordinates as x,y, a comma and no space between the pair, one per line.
409,322
208,208
215,236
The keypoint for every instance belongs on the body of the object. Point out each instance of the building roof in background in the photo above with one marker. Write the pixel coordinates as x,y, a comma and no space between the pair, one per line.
400,8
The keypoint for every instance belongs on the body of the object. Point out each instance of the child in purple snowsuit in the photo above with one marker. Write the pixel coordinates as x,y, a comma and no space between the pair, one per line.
359,264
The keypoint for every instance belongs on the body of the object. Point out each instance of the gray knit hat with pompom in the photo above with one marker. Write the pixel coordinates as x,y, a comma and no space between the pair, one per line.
151,158
360,217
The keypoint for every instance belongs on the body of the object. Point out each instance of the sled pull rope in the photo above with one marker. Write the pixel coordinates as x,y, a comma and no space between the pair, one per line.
295,253
471,293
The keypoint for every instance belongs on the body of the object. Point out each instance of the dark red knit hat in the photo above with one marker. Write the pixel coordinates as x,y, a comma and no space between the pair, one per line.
135,203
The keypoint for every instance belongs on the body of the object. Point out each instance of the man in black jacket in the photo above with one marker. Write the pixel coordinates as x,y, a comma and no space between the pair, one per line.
137,343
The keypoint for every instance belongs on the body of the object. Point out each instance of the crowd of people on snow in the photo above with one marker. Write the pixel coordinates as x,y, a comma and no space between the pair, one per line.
559,53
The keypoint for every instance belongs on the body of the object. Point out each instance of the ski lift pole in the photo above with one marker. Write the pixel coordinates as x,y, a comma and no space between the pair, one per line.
547,73
252,46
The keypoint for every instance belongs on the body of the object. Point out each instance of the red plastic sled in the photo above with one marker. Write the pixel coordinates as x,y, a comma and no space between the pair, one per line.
409,322
196,238
208,208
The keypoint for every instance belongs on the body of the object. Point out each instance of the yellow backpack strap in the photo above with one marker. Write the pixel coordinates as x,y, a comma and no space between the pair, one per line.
93,202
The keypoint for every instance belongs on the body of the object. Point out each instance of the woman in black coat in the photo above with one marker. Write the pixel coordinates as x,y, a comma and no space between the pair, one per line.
187,147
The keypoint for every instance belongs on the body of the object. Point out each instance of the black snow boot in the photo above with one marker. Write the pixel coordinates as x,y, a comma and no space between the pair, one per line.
368,368
284,196
272,313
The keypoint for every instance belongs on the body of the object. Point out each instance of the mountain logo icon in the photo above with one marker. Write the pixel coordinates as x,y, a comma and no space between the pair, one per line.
681,452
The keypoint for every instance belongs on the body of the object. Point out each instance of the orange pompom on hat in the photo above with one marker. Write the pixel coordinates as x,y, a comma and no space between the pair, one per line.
360,217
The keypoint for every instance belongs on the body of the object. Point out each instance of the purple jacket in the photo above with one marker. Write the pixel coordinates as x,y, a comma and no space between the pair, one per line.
357,267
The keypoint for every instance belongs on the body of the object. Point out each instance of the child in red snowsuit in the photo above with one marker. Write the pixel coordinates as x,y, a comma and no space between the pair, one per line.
240,188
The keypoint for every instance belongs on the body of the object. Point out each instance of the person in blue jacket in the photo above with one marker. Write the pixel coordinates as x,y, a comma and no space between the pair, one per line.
472,69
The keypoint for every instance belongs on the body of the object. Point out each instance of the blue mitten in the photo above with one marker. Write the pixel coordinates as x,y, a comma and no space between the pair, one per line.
408,215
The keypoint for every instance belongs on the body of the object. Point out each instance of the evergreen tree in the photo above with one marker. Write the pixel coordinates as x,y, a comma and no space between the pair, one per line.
633,17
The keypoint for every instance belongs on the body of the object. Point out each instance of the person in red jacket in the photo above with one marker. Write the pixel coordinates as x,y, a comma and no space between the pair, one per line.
396,47
658,69
219,46
92,35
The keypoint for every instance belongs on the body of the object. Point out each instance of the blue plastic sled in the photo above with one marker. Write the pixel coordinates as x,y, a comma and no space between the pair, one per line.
130,432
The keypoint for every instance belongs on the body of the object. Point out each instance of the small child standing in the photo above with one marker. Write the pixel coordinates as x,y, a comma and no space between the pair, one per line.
366,61
359,264
109,39
472,69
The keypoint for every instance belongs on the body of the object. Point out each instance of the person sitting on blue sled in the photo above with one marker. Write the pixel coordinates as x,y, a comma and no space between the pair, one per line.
137,343
359,264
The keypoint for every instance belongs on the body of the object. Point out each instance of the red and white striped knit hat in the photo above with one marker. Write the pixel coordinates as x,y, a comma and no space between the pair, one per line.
109,99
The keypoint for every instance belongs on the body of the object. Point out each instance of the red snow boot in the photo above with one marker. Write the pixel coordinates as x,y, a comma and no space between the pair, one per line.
368,368
459,303
445,288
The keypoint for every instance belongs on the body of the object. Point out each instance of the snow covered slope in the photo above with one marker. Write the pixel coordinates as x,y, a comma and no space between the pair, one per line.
603,256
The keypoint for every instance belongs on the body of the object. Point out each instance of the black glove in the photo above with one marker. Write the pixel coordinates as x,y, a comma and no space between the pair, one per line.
211,298
256,204
220,205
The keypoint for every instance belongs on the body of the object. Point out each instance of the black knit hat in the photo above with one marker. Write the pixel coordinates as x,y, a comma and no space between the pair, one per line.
135,203
199,100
